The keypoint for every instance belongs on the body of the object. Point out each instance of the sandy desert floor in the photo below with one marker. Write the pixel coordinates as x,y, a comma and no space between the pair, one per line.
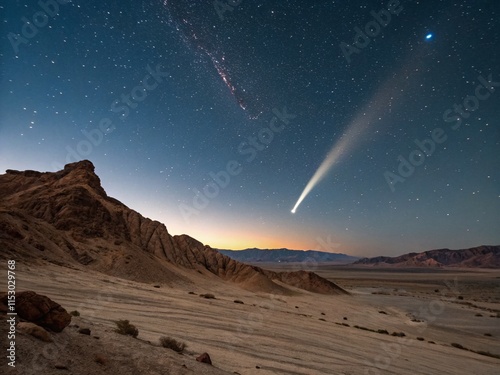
273,334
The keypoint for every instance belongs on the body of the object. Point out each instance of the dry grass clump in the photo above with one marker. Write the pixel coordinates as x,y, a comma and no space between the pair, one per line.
125,328
170,343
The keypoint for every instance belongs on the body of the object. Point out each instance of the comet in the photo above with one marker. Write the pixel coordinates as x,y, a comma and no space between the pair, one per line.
383,100
346,142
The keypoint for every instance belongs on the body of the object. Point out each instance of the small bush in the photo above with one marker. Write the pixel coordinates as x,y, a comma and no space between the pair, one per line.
460,297
125,328
74,313
208,296
478,314
458,346
170,343
383,331
364,328
420,339
488,334
238,301
398,334
382,312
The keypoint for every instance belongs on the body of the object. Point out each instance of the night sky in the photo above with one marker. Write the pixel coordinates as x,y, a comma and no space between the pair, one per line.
212,118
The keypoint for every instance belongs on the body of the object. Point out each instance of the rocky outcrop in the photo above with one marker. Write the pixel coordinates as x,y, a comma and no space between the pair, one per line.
204,358
67,217
40,310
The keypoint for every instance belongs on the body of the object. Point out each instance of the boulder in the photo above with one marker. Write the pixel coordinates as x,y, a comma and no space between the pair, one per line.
41,310
204,358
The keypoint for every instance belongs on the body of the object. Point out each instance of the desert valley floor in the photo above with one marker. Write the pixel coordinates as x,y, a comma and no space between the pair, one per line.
298,333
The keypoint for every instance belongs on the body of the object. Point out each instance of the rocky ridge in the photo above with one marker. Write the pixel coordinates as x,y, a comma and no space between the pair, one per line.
67,218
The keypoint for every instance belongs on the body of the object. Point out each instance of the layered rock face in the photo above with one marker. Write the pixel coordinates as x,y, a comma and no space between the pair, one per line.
66,218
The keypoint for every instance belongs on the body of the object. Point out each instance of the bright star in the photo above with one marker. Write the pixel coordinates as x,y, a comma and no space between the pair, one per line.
429,36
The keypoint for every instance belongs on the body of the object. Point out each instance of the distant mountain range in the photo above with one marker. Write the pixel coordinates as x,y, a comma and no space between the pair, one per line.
476,257
286,255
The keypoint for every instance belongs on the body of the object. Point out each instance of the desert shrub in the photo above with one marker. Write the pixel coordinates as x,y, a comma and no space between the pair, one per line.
125,328
460,297
420,339
364,328
170,343
238,301
383,331
458,346
382,312
488,334
74,313
478,314
208,296
398,334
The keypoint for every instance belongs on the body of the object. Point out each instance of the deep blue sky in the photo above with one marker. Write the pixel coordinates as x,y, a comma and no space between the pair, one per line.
221,82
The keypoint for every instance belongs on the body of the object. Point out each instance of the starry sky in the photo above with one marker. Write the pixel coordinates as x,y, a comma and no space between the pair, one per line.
212,117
